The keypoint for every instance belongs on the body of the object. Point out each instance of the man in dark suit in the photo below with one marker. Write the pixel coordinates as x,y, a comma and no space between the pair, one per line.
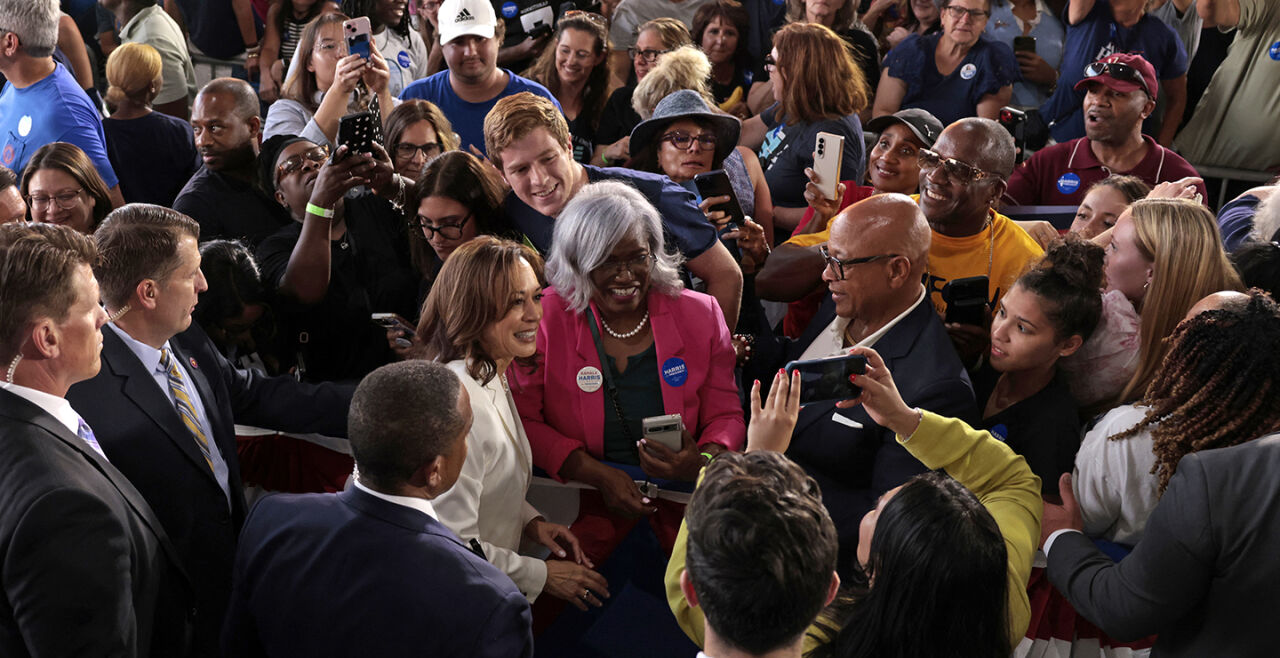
877,257
1204,576
165,402
370,571
87,568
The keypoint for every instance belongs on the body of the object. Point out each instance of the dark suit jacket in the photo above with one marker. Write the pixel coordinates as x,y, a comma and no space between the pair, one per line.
854,466
143,436
350,574
1205,576
86,567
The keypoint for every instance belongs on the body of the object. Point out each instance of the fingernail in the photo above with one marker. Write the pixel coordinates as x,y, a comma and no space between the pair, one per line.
853,378
646,501
782,371
560,553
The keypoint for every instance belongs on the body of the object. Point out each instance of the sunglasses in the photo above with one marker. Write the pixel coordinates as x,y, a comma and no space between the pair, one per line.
957,170
1118,71
296,161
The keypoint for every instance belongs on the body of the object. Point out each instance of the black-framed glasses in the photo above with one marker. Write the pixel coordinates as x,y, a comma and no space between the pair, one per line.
316,154
684,141
957,170
638,265
447,231
960,12
405,150
649,55
1118,71
838,265
65,200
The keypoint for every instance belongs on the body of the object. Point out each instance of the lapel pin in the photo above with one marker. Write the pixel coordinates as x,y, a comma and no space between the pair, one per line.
192,361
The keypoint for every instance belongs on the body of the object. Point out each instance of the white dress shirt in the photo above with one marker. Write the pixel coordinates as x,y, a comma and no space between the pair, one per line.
831,341
55,406
418,504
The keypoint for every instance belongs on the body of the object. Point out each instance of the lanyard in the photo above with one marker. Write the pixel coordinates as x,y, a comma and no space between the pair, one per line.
608,376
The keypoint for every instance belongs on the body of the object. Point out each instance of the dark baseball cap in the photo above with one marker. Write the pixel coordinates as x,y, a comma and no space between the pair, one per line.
921,123
1123,72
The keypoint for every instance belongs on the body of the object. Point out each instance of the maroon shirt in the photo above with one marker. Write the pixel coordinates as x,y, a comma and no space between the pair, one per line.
1061,174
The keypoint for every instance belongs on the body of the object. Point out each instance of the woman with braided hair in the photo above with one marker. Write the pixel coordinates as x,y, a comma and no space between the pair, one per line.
1219,386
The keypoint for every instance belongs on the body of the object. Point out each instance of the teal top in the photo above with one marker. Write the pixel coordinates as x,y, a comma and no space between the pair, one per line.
640,394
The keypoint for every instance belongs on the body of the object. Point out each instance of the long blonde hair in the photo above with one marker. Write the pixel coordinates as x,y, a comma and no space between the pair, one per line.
1180,237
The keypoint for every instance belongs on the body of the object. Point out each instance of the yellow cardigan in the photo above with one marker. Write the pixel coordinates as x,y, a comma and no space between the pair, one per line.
986,466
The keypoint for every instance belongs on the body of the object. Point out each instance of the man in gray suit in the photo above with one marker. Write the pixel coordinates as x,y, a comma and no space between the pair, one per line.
87,569
1204,577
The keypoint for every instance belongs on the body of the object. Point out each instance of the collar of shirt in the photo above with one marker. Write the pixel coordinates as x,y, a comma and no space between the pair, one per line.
148,355
831,341
55,406
1082,156
1041,11
420,504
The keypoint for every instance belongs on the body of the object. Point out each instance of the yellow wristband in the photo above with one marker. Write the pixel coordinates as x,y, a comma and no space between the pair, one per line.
327,213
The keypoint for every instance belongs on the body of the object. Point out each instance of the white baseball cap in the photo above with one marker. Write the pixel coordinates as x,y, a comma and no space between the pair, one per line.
466,17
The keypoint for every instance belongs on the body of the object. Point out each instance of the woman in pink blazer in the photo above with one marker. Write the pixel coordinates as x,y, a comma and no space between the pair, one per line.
656,350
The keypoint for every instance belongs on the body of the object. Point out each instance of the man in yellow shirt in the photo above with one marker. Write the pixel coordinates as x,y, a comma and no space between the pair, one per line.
961,180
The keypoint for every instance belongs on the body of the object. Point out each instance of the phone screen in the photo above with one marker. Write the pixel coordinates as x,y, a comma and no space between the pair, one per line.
828,379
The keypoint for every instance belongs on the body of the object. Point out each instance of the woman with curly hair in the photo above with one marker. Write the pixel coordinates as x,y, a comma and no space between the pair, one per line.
1218,386
576,71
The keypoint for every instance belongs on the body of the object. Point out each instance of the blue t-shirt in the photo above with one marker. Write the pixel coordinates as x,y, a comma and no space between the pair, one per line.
986,68
1096,37
685,225
54,109
784,158
468,118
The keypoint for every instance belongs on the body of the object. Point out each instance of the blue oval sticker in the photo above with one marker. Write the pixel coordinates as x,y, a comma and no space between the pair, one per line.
674,371
1068,183
1275,51
509,10
403,60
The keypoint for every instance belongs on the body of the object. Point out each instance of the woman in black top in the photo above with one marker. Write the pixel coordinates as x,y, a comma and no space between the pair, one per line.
613,137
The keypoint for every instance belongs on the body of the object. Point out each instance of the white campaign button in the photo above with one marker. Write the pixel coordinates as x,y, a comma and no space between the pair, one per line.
589,379
24,126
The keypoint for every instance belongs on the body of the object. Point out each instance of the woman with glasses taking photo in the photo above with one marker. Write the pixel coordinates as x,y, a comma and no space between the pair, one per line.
955,74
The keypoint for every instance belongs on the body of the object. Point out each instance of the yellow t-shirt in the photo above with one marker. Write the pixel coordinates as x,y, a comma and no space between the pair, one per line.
1011,249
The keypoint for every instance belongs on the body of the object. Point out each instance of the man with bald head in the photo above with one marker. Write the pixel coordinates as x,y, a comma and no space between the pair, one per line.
874,263
961,179
224,196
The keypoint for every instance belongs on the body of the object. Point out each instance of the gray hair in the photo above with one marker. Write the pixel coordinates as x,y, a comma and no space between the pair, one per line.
588,229
1266,220
34,21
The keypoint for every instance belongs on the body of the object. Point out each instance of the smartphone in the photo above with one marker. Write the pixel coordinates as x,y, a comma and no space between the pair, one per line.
667,430
966,300
828,151
1024,44
716,183
358,132
358,33
824,380
394,321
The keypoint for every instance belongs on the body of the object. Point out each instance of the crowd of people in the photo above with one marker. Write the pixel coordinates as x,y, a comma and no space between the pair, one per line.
483,247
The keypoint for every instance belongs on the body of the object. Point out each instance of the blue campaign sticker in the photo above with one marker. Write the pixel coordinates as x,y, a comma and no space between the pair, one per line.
403,60
674,371
779,2
1275,51
509,10
1001,432
1068,183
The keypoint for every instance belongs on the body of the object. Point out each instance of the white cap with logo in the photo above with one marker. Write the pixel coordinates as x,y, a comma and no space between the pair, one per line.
466,17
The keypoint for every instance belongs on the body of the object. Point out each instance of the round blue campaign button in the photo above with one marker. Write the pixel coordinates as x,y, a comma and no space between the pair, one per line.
403,60
509,10
674,371
1275,51
1068,183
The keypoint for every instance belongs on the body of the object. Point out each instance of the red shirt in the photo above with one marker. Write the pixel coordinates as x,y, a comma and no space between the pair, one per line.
1061,174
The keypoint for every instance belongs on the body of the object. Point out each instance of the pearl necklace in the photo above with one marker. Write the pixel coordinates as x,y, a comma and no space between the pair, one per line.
629,334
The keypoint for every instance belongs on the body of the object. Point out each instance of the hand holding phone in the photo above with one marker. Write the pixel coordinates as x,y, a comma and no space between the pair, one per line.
667,430
715,183
826,380
358,33
966,300
828,153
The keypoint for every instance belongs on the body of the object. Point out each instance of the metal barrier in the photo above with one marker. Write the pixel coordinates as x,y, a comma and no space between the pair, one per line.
1227,175
207,68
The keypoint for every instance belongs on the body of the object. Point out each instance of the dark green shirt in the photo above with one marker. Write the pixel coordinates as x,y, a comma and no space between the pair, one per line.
640,393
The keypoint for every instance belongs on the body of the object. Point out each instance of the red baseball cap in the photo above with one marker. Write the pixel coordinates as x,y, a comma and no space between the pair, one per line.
1130,72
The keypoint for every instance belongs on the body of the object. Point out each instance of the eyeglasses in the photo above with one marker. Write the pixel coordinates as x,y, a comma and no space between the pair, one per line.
65,200
1118,71
296,161
334,49
684,141
838,265
638,265
961,172
649,56
589,15
770,64
960,12
447,231
405,150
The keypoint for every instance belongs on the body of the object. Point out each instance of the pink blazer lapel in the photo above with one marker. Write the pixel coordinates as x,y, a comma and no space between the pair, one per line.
589,407
673,366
